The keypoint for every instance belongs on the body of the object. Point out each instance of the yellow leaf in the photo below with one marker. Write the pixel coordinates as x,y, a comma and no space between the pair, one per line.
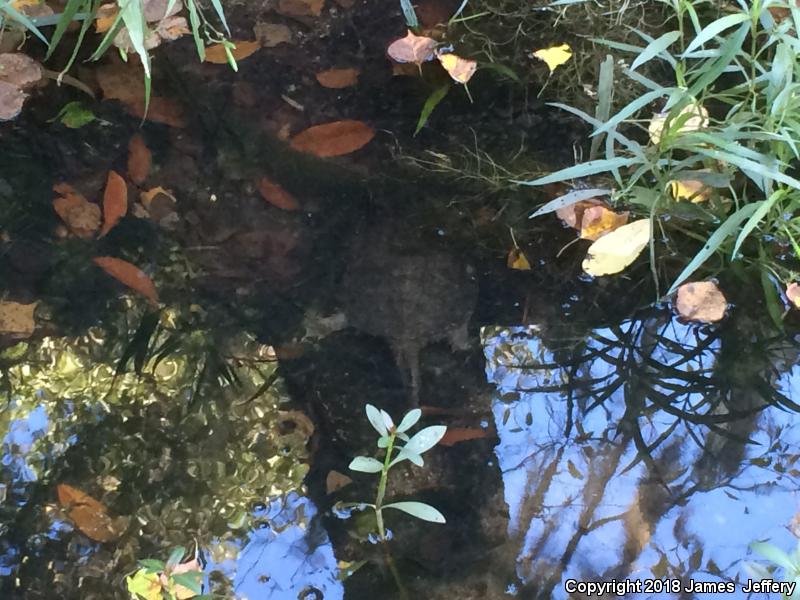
460,69
689,189
554,56
697,121
144,585
615,251
598,221
517,260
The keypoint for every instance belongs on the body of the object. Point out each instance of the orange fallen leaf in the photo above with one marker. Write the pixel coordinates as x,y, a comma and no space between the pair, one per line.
415,49
455,435
129,275
80,216
106,16
337,78
89,515
336,481
701,301
572,214
121,81
161,110
460,69
793,294
140,159
115,202
333,139
517,260
598,221
300,8
216,54
276,195
146,197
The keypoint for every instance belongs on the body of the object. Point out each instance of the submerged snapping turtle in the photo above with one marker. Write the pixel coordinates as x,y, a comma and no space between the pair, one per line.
410,295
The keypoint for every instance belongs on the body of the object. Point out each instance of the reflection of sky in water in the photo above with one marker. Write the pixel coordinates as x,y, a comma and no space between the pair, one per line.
584,506
287,560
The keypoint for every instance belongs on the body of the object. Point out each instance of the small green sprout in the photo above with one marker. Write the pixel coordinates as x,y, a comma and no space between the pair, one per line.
414,447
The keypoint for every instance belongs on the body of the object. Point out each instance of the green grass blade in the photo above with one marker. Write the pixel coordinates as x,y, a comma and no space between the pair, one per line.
105,44
431,103
70,10
221,14
409,14
194,20
567,199
132,14
593,167
763,208
22,20
714,28
749,166
655,48
727,53
605,94
722,233
87,23
632,108
773,301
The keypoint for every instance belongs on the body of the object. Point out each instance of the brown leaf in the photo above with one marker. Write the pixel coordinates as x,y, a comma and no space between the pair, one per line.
333,139
106,15
140,159
11,101
701,301
517,260
336,481
89,515
17,320
161,110
572,214
216,54
338,78
156,10
412,49
20,70
270,35
129,275
79,215
597,221
276,195
121,81
300,8
115,202
455,435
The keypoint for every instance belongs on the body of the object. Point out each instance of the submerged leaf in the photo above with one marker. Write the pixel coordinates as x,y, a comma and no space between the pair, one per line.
333,139
276,195
140,159
17,320
89,515
115,202
456,435
701,301
517,260
129,275
80,216
216,54
337,78
615,251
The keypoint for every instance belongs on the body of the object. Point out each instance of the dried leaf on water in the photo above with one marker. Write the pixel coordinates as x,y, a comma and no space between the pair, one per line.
89,515
216,54
333,139
701,301
517,260
17,320
81,217
336,481
276,195
598,221
460,69
614,252
572,214
161,110
140,159
415,49
129,275
555,56
115,202
300,8
455,435
337,78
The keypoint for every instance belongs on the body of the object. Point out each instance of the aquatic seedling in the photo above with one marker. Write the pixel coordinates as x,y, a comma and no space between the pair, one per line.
414,447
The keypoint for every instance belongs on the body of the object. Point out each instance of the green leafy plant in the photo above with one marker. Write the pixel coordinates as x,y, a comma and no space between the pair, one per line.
728,122
790,563
171,580
414,447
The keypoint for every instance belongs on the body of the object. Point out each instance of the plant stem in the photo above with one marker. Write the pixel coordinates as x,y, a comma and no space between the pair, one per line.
382,487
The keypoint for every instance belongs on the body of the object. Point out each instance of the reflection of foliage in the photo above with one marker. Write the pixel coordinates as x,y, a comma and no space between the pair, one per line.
172,580
185,445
